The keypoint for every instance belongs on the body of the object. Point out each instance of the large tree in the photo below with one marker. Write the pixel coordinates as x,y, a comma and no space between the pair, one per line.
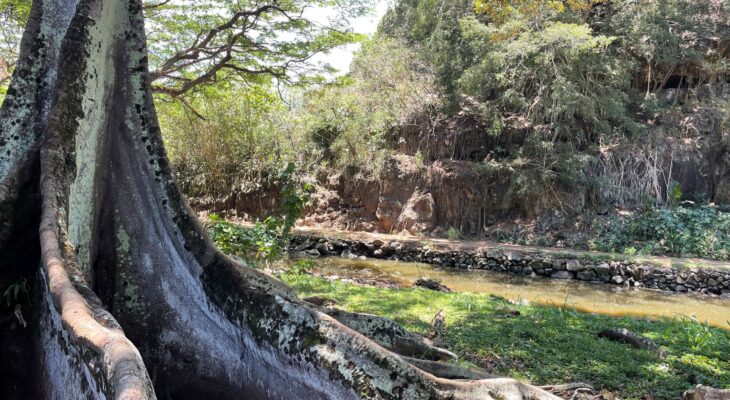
130,299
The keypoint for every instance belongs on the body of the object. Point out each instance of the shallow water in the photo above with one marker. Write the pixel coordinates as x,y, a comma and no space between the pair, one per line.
589,297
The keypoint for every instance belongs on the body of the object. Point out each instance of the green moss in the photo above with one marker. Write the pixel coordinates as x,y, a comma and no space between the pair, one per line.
548,345
312,339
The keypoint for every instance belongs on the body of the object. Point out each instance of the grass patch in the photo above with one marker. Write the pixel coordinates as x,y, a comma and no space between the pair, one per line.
548,345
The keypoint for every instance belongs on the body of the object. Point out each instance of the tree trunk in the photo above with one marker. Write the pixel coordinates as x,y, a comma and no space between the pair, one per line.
87,190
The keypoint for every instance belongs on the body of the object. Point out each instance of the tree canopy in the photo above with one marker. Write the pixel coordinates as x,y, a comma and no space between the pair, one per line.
195,43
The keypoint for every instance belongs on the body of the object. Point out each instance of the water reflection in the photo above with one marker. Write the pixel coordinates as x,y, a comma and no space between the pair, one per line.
597,298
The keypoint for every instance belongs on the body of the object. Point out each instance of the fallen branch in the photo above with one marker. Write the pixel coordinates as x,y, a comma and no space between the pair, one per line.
632,339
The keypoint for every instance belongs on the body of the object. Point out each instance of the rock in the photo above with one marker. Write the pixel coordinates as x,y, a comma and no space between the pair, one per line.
494,254
602,269
322,248
617,279
348,255
574,266
586,275
388,212
722,191
417,215
561,275
313,253
431,285
302,247
706,393
558,265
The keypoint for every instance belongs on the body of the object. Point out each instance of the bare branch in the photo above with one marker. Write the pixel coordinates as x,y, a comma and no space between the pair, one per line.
149,6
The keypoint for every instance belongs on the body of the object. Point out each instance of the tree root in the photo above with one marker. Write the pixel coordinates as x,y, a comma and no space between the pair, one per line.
567,386
390,335
706,393
448,371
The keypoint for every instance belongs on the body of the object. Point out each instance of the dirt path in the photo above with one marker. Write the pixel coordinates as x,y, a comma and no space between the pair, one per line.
484,245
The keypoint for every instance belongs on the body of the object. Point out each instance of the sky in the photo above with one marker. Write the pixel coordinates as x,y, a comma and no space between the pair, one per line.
341,58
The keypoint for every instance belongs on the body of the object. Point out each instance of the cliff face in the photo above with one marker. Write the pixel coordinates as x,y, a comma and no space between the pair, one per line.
633,110
466,180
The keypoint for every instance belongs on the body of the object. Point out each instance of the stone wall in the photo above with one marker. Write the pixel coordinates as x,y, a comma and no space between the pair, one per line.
630,273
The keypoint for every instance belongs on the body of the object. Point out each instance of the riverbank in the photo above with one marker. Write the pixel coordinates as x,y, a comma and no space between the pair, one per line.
588,297
664,273
546,345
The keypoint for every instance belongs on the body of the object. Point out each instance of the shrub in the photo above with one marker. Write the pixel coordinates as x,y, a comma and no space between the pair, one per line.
267,239
701,231
240,138
349,122
454,234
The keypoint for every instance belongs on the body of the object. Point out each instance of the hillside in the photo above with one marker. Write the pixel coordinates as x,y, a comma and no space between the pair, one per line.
541,127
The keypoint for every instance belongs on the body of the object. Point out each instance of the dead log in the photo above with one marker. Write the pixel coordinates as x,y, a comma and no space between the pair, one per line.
631,338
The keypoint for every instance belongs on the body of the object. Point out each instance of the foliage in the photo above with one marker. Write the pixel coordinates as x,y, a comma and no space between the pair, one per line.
242,138
301,267
266,239
348,122
547,345
499,11
294,198
193,45
698,231
699,335
260,241
454,234
16,11
13,14
559,79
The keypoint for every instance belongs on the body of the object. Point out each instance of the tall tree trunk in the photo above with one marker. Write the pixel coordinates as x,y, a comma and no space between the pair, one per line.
131,299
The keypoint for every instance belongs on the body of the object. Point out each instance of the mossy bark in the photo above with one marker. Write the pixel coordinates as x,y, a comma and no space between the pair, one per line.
132,300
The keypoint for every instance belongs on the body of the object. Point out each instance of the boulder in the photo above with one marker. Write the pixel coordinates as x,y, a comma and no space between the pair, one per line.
561,275
322,249
418,214
348,255
586,275
602,269
388,212
574,266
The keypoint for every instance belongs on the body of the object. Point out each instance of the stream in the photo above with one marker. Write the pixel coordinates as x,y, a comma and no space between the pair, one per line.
589,297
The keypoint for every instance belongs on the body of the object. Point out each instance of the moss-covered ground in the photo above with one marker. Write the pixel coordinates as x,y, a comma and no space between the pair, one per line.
547,345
